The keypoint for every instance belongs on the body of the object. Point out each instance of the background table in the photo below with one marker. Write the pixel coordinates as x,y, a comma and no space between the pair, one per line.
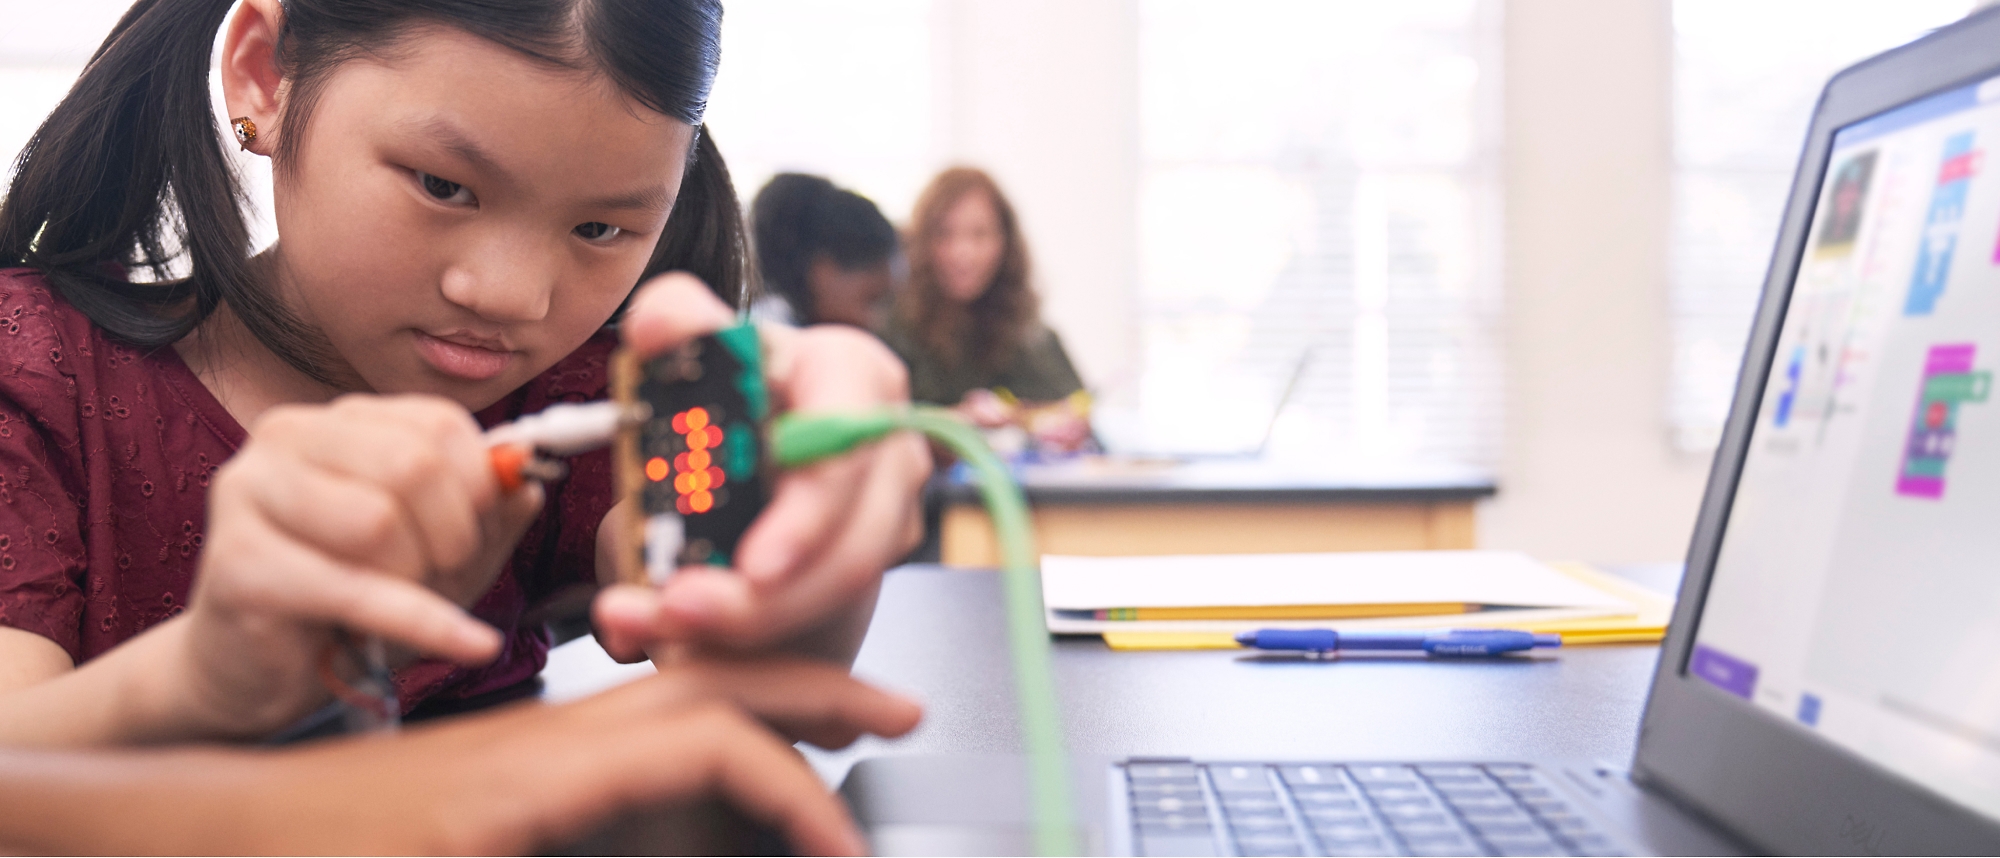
1108,506
939,635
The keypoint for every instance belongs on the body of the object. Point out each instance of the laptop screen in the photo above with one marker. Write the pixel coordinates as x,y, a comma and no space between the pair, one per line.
1857,589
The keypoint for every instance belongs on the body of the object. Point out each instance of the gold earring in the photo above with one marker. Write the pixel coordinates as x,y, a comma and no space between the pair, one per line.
246,131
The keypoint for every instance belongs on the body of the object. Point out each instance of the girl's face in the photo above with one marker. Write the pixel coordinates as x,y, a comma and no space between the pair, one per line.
460,218
966,252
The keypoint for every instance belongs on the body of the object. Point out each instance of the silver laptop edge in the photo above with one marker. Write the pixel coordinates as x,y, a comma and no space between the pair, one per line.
1780,788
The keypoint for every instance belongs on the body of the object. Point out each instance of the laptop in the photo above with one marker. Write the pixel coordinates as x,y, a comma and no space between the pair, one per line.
1831,679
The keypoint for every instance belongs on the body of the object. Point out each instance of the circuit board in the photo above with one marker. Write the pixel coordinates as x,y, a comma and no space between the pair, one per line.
692,475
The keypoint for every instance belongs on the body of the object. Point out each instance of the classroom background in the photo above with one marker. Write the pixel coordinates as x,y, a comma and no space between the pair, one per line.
1526,236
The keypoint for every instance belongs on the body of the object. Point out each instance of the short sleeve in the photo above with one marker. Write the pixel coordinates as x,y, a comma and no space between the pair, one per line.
558,554
42,561
930,381
1044,373
579,506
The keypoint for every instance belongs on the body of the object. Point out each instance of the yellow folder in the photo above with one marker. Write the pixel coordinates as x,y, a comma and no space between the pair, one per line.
1361,589
1289,612
1648,625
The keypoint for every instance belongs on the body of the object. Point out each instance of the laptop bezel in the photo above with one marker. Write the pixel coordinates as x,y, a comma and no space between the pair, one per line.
1764,779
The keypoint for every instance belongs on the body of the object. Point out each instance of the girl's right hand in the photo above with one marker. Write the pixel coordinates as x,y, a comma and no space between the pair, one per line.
378,515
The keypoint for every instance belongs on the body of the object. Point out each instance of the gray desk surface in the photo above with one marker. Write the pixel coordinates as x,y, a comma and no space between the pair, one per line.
1123,480
939,634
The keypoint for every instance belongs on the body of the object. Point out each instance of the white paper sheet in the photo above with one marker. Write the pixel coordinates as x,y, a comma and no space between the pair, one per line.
1497,578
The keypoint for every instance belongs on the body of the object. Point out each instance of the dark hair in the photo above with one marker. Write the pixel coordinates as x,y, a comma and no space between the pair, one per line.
704,235
129,174
797,218
989,330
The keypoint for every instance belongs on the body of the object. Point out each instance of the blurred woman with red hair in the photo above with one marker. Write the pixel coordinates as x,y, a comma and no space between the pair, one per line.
969,325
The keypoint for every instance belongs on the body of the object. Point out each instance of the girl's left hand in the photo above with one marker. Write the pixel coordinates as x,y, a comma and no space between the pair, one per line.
808,570
985,409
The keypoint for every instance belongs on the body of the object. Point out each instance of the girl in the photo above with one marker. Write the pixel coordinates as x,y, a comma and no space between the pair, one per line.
466,191
825,254
968,325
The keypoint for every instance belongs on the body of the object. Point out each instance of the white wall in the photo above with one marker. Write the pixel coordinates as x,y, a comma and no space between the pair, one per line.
60,33
42,47
1588,471
1044,94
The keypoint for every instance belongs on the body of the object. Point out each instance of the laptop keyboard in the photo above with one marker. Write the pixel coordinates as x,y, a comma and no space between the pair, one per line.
1191,808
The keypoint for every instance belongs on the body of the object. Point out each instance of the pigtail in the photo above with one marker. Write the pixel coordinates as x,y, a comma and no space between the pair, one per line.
128,176
704,234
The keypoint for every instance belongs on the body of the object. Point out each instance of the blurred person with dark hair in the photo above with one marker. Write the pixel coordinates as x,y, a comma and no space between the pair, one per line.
826,254
969,325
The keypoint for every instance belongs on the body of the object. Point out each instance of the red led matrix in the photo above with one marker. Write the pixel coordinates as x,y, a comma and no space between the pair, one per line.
695,476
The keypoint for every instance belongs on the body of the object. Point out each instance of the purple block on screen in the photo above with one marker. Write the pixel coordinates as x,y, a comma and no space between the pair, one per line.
1933,425
1920,487
1952,358
1726,672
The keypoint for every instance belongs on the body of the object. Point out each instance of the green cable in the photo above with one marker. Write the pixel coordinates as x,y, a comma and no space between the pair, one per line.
801,439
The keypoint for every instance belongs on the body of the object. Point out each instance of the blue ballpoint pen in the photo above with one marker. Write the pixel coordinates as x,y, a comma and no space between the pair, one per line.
1449,643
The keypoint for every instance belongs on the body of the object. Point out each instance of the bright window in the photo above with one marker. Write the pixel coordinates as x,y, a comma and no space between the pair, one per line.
838,89
1746,77
1318,192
